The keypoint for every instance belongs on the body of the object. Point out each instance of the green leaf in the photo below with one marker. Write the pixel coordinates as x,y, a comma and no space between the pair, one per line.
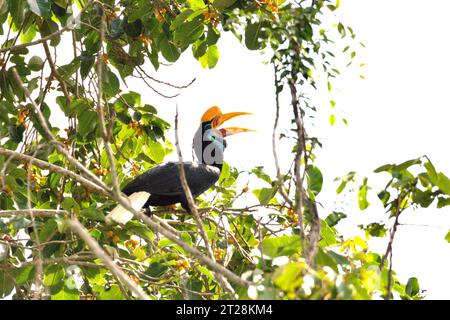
341,29
93,214
53,275
328,235
281,246
386,167
225,172
169,51
25,274
199,49
223,4
375,230
66,294
49,26
111,84
69,203
412,287
264,195
334,217
88,121
443,182
324,259
156,269
332,119
213,36
253,35
86,67
41,8
188,33
447,237
155,151
258,171
289,276
196,4
180,18
315,179
6,284
362,196
112,293
210,58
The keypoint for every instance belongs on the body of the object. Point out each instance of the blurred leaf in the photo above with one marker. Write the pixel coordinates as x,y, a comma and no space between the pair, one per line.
156,269
412,287
362,196
253,35
6,284
155,151
41,8
334,217
289,276
264,195
169,51
93,214
111,293
66,294
315,178
281,246
210,58
447,237
53,275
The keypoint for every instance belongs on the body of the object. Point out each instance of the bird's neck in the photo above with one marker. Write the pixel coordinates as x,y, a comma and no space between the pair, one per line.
208,152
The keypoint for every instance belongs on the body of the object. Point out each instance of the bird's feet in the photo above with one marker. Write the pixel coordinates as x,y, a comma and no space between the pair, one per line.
171,207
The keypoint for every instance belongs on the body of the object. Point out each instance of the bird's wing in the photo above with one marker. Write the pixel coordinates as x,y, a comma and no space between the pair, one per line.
164,179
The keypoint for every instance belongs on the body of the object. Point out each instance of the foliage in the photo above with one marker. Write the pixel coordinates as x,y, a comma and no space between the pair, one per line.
271,251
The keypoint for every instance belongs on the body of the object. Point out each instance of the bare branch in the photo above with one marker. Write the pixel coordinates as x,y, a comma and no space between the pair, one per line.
314,234
78,228
38,213
55,72
274,145
54,168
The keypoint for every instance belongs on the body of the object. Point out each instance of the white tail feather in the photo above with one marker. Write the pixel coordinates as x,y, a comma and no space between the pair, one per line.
121,215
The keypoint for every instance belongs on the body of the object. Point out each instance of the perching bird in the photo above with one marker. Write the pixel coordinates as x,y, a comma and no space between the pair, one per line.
161,185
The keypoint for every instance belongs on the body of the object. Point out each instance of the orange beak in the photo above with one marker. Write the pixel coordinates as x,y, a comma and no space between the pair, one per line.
215,115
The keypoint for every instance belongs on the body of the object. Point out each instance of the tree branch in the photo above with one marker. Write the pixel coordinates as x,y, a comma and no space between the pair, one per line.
54,168
193,208
78,228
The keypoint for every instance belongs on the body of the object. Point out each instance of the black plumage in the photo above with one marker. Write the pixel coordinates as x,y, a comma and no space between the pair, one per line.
164,185
161,185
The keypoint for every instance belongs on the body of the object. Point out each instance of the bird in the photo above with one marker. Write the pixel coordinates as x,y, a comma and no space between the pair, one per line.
161,185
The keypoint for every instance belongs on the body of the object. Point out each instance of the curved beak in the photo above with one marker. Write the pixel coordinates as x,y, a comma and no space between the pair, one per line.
221,118
233,130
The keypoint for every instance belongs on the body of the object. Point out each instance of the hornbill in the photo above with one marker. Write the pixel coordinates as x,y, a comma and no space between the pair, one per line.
161,185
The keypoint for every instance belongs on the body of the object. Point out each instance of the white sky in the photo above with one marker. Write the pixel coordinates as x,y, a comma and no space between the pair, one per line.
399,112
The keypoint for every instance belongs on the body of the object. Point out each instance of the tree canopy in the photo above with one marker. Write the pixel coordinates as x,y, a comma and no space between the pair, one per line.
59,180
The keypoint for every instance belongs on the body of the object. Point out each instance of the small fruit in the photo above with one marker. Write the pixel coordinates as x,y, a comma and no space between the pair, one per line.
35,63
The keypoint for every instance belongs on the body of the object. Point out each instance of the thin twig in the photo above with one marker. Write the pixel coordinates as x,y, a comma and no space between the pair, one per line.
193,208
78,228
54,168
